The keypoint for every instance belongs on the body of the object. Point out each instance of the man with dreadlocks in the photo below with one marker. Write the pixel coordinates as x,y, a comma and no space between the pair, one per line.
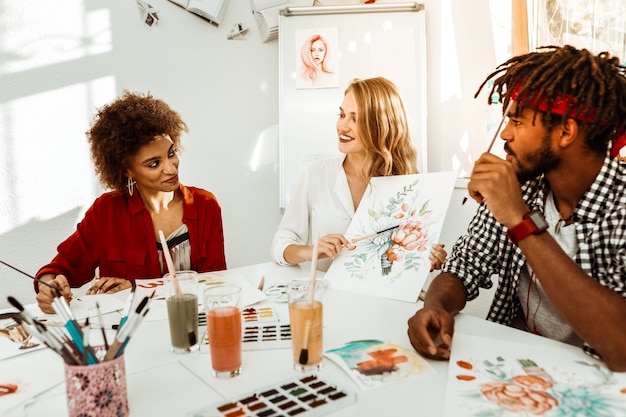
551,221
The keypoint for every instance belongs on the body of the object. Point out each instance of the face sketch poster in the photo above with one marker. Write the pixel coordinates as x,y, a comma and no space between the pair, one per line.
497,378
317,52
393,230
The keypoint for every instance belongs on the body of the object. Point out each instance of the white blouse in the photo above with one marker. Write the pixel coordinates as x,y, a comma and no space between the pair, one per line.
320,204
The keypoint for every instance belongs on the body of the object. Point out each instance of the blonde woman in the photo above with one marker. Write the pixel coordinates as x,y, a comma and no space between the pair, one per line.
374,139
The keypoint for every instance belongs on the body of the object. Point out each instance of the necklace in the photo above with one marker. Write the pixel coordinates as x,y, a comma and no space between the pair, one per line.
563,221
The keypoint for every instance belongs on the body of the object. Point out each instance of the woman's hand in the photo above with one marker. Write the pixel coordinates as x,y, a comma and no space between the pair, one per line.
46,294
108,285
330,246
437,256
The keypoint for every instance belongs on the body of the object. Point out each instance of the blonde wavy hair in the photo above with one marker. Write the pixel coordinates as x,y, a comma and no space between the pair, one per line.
383,128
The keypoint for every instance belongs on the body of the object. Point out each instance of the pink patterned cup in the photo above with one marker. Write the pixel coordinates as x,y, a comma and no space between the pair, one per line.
97,390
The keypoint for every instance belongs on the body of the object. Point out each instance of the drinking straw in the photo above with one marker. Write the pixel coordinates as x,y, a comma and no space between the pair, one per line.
170,264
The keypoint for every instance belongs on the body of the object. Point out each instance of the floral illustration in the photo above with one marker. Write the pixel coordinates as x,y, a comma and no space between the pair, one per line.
522,388
373,362
402,234
391,235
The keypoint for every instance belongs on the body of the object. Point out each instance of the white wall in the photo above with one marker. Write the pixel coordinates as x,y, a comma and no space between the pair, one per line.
59,61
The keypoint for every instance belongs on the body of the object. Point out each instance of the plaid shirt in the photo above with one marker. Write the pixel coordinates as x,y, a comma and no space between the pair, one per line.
600,222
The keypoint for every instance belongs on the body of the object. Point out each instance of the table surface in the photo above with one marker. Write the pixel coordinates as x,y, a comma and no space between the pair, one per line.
164,383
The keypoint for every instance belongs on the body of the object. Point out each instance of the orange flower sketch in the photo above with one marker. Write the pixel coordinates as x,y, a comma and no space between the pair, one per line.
515,397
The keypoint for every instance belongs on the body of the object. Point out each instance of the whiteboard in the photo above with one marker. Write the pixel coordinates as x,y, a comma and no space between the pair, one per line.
385,40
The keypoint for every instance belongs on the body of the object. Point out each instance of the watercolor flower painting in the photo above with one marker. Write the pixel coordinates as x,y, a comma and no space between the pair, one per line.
392,233
524,381
372,363
403,236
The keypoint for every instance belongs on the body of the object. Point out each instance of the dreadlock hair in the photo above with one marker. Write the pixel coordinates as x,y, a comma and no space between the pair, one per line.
593,85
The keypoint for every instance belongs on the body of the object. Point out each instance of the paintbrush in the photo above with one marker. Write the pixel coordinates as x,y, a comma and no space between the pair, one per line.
358,239
191,335
170,264
35,327
104,334
303,359
495,136
56,290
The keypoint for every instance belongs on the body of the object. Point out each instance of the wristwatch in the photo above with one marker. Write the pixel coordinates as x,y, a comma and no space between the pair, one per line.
534,223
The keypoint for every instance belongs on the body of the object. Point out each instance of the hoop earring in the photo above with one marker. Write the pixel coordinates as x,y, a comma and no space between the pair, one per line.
130,184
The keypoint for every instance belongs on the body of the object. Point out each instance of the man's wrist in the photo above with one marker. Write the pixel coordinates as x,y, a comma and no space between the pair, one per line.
533,223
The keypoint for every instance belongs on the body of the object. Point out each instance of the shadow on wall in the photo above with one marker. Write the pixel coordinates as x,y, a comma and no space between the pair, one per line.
37,246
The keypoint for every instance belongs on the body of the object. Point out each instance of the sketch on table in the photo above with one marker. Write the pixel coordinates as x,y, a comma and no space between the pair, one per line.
373,363
489,378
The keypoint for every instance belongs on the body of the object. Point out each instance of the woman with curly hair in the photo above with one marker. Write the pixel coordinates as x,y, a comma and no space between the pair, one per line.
135,142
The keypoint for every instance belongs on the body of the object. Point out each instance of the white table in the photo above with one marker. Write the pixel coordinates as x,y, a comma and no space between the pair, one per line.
166,384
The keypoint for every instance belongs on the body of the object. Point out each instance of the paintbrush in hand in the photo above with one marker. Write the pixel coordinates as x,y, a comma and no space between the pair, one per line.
495,135
303,359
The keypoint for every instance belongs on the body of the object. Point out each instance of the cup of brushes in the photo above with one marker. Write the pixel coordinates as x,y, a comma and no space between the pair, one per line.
95,376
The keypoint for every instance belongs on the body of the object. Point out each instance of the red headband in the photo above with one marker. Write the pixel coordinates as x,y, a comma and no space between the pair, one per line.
559,105
564,102
618,144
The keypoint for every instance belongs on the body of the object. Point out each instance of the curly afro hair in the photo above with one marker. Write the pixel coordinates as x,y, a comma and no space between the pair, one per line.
123,126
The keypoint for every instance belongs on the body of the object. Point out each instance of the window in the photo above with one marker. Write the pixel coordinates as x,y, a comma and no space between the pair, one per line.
597,25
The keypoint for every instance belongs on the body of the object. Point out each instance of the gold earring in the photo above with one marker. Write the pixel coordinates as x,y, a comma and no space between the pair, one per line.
130,184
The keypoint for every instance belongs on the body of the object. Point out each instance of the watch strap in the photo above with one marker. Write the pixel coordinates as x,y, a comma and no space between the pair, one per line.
526,228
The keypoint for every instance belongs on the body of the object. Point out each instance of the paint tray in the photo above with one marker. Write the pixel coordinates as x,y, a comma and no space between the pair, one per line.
308,396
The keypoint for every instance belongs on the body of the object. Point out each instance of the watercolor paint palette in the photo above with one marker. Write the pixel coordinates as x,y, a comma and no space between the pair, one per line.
259,314
308,396
261,330
250,315
259,336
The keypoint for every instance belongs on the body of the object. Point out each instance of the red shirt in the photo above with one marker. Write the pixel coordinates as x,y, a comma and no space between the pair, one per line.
117,235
